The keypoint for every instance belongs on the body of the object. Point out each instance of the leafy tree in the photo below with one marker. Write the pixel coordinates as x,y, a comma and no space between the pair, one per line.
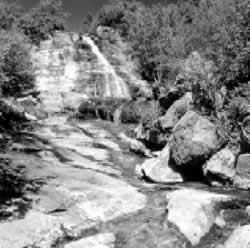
9,14
43,20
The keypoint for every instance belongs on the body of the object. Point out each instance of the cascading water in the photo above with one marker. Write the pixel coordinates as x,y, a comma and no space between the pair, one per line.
114,85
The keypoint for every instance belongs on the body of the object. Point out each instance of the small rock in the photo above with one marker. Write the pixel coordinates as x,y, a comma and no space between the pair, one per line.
30,117
106,240
193,141
240,238
194,211
221,166
158,170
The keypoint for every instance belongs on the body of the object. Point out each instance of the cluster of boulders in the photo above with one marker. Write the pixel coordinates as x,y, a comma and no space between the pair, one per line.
195,147
197,150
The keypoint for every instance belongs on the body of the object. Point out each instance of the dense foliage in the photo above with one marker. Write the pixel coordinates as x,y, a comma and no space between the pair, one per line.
18,32
162,35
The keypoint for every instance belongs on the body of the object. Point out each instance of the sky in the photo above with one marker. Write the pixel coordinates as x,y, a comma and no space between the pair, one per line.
77,8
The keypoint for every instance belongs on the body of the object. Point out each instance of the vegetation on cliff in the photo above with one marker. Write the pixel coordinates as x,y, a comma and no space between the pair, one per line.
163,36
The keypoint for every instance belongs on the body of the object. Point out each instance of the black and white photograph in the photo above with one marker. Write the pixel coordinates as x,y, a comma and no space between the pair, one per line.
124,124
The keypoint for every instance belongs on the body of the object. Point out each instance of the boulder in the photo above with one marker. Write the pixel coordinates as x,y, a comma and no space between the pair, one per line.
243,165
194,140
157,170
175,112
221,166
240,238
194,212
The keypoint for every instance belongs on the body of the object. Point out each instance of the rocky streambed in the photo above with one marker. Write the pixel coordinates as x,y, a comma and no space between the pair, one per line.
82,191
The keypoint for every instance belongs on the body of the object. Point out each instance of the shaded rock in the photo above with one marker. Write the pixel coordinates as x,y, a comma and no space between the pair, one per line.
243,165
105,240
193,141
151,136
158,170
240,238
35,230
176,112
221,166
169,98
201,214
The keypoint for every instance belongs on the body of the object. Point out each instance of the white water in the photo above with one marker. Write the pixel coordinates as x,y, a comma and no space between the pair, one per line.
114,85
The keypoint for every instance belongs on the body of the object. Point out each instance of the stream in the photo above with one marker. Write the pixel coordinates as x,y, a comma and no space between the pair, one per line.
88,195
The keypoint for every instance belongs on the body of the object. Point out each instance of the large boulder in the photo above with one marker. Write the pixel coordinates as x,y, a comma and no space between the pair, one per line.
240,238
176,111
221,166
194,140
194,212
158,170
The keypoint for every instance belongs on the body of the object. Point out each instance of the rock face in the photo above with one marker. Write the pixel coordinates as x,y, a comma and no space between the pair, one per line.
193,212
69,62
116,51
158,170
176,112
240,238
194,140
221,166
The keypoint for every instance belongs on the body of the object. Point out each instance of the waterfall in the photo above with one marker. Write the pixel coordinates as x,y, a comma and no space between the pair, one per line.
114,85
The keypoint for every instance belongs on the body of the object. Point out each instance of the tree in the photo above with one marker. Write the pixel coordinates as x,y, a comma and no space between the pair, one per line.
9,15
43,20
